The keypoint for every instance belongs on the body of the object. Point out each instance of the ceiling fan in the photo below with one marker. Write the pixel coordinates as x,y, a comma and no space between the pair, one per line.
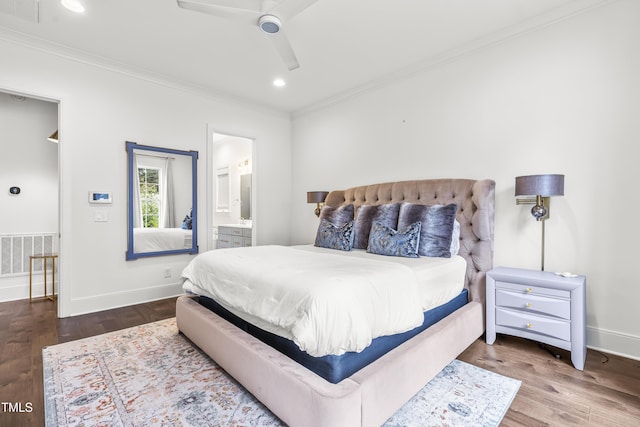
268,15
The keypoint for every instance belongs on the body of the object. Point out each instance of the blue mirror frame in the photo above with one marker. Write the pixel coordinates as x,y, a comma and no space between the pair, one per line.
131,166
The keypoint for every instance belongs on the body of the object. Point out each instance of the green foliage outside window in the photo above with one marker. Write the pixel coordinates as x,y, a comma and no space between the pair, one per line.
149,196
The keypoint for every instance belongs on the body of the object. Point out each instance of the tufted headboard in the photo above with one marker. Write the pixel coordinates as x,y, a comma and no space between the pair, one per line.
475,200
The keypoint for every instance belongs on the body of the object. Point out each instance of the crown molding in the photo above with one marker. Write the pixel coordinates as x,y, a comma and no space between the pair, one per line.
84,57
537,23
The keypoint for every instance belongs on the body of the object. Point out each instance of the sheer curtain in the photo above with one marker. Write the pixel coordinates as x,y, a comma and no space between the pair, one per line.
137,211
167,215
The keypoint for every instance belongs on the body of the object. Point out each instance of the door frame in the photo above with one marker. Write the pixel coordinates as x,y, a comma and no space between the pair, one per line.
60,262
210,184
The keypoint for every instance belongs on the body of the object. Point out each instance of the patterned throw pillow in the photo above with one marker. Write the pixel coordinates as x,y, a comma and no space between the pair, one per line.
384,240
335,237
187,222
437,226
386,214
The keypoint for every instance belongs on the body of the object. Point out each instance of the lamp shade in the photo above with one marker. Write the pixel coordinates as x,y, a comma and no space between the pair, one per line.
316,196
540,185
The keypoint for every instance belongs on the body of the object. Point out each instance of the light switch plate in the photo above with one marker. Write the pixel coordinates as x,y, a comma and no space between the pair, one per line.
100,216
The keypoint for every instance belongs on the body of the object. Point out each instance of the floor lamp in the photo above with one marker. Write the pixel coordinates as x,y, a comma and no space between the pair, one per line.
542,187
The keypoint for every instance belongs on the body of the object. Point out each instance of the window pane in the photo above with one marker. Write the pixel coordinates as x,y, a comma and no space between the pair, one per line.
149,196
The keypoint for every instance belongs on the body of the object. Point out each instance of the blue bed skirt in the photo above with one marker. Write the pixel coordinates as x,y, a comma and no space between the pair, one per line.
336,368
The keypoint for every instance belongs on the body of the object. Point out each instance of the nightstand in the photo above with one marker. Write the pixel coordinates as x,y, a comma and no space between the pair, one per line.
538,305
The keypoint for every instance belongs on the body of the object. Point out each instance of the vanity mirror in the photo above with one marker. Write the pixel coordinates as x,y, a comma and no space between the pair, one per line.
162,214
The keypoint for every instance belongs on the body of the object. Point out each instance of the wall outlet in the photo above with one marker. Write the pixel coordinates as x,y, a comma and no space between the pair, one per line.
167,272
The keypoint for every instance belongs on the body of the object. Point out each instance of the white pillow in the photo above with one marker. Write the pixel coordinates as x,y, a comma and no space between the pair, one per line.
455,239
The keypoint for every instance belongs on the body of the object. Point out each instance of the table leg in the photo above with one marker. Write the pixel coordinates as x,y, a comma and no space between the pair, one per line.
30,279
44,273
53,278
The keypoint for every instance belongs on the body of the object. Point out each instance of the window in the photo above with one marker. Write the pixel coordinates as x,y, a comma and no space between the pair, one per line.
149,196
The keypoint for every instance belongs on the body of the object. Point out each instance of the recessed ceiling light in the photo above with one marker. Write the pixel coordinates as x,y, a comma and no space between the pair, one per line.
73,5
279,82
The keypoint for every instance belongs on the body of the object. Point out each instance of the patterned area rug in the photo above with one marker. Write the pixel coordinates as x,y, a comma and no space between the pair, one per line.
150,375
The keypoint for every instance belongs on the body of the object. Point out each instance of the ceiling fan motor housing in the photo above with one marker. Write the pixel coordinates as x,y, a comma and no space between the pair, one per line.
270,24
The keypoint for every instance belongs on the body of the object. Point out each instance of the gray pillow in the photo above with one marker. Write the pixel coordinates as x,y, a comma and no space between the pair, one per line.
367,215
385,240
337,216
437,226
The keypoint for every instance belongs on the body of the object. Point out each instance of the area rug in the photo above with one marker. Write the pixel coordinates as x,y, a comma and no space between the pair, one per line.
150,375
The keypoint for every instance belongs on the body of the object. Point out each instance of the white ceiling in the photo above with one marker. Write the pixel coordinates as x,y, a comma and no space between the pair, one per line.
342,45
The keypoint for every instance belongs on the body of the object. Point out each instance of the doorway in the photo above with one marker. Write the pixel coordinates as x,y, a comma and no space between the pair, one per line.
29,195
231,198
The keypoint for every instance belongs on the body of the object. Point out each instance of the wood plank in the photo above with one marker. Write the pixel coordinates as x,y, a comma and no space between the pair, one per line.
555,393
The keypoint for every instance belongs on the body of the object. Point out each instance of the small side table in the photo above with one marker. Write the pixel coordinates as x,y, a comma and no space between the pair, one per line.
44,258
540,306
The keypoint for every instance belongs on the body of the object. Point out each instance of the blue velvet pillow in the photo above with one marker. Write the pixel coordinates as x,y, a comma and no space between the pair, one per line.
334,236
337,216
368,214
384,240
437,226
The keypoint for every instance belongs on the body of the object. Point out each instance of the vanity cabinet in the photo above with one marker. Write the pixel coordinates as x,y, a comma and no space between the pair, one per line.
234,236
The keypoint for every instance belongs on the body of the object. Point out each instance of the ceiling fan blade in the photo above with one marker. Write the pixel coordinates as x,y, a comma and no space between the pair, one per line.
241,10
290,8
282,45
254,5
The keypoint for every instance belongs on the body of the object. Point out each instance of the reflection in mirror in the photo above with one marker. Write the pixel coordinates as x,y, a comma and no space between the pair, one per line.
245,196
222,189
231,203
162,215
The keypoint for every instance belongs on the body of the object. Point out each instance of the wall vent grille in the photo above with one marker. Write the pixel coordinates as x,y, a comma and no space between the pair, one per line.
15,250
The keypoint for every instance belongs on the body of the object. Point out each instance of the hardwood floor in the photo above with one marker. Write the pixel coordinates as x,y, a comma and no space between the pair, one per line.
552,393
27,327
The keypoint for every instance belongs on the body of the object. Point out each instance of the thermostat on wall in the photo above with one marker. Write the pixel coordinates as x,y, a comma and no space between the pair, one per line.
99,197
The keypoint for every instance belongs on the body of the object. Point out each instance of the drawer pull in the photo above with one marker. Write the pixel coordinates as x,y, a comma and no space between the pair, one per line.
529,290
528,305
529,326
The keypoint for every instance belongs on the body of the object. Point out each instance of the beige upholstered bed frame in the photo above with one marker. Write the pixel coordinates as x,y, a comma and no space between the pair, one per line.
374,393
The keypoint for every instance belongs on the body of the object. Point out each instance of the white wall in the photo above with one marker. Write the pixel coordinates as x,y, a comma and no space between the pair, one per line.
28,161
564,99
99,110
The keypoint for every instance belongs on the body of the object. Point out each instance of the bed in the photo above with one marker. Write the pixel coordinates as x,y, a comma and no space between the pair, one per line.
161,239
372,393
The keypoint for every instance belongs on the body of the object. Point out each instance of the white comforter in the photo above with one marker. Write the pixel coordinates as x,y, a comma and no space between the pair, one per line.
159,239
329,304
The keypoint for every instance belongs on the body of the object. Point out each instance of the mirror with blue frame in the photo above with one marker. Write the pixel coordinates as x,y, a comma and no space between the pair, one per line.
162,214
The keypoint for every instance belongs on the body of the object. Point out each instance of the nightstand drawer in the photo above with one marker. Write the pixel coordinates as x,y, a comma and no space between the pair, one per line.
534,303
534,324
532,289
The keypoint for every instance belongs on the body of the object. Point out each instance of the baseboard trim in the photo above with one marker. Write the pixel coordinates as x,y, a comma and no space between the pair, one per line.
103,302
612,342
14,288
